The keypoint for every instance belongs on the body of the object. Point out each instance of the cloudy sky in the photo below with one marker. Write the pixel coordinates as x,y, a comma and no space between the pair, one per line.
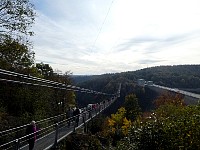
109,36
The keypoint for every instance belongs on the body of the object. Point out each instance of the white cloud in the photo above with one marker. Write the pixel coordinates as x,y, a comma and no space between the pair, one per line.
135,34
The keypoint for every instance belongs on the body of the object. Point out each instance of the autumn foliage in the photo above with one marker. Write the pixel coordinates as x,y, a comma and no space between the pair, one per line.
172,125
169,98
118,123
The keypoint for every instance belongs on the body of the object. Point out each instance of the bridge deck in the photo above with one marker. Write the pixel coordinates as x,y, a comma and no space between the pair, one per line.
47,141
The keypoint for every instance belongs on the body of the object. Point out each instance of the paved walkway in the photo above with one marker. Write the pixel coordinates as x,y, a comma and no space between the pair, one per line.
48,141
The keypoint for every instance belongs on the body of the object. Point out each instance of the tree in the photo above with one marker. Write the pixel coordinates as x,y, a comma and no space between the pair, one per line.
169,98
118,125
16,17
15,56
170,126
45,70
132,107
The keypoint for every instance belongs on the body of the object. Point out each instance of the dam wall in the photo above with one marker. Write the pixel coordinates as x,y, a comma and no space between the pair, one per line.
189,98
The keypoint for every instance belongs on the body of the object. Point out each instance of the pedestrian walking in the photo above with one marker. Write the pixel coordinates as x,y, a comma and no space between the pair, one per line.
31,134
76,113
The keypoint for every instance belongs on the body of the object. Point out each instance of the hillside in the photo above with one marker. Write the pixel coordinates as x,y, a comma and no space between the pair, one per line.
157,125
180,76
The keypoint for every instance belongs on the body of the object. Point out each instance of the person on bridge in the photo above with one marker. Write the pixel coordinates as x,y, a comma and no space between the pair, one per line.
31,132
76,113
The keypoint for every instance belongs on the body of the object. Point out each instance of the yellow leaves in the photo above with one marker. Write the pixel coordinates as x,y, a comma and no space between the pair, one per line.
113,130
126,126
118,122
117,119
111,122
168,98
122,111
126,122
112,125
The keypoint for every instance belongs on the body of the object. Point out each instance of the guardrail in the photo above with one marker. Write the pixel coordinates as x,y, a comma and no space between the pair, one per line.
54,129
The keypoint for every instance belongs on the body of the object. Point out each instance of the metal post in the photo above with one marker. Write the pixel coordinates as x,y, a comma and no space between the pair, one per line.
96,110
90,114
92,118
85,114
74,125
83,119
99,109
68,120
17,144
85,128
56,136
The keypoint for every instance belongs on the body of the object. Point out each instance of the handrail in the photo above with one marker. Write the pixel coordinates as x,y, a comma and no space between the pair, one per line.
46,129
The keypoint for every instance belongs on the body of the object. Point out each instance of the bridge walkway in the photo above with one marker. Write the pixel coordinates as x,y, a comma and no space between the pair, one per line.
48,141
53,131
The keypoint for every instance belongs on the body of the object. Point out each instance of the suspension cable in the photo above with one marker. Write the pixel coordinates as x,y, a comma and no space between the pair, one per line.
64,86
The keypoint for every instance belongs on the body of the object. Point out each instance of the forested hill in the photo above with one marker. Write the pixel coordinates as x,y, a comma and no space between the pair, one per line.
180,76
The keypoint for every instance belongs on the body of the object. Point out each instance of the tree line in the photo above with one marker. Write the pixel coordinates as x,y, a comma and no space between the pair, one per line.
21,103
154,122
170,125
176,76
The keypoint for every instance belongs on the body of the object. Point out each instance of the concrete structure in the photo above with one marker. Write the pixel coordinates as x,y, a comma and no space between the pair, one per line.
141,82
189,98
150,83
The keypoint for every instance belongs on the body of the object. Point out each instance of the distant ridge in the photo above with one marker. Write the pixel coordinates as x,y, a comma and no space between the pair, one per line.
179,76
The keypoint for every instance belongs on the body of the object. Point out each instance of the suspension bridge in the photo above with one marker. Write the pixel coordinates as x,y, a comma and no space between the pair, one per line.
52,130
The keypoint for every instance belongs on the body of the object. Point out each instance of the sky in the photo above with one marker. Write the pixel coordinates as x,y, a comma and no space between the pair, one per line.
91,37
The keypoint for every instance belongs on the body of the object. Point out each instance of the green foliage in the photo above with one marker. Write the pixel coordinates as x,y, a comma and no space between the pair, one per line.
96,125
24,103
16,17
169,98
105,83
169,127
81,142
20,103
45,70
125,144
116,126
180,76
15,56
132,107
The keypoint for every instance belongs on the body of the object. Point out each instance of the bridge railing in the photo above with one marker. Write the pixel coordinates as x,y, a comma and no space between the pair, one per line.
17,132
16,138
